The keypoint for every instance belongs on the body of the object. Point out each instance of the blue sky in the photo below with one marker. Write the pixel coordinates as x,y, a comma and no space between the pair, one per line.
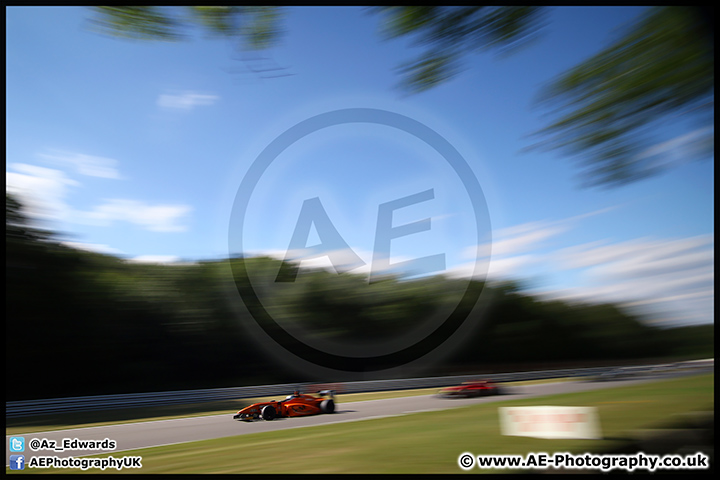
139,149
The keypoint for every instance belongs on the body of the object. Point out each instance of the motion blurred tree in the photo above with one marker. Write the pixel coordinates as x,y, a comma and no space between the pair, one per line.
17,224
449,33
169,327
257,26
248,28
613,112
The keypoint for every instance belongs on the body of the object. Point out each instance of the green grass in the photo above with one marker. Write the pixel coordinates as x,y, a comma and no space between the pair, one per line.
427,442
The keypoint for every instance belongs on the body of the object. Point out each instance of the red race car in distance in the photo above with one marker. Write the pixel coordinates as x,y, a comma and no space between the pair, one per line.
295,405
480,388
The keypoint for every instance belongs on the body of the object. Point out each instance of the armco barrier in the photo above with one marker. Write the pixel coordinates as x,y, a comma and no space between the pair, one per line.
104,402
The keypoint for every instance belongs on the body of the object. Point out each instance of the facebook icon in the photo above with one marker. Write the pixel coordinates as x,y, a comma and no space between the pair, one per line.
17,462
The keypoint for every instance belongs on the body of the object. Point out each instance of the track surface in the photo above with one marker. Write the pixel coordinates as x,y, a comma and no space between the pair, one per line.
165,432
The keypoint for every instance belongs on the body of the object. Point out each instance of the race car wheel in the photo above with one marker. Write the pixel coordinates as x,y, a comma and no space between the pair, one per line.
327,406
268,413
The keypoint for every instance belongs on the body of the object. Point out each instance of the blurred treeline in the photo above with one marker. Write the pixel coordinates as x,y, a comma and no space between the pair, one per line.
81,323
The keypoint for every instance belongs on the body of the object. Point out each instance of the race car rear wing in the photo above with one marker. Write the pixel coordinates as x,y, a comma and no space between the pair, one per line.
329,393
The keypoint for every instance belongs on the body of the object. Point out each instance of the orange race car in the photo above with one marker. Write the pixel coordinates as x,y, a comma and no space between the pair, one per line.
295,405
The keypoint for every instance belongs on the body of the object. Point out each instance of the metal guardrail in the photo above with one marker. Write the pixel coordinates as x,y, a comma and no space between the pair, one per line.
100,402
103,402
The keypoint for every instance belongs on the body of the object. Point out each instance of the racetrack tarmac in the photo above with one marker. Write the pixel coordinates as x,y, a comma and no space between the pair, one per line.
165,432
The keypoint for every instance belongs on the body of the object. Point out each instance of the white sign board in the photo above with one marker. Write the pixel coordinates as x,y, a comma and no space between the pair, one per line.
550,422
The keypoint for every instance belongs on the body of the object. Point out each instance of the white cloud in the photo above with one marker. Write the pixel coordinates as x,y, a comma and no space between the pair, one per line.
640,258
672,298
89,165
510,267
156,218
524,238
93,247
651,296
496,270
511,250
649,265
680,148
671,279
595,253
186,100
344,258
674,277
157,259
41,190
637,254
525,241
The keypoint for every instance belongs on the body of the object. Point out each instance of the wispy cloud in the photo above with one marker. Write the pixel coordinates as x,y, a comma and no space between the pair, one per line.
512,249
93,247
345,260
680,149
671,278
41,190
525,241
156,218
156,259
185,100
664,275
640,254
82,164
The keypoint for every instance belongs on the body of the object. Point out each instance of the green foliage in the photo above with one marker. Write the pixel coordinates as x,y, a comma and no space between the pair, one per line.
110,326
448,33
610,108
258,26
613,111
18,227
141,23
